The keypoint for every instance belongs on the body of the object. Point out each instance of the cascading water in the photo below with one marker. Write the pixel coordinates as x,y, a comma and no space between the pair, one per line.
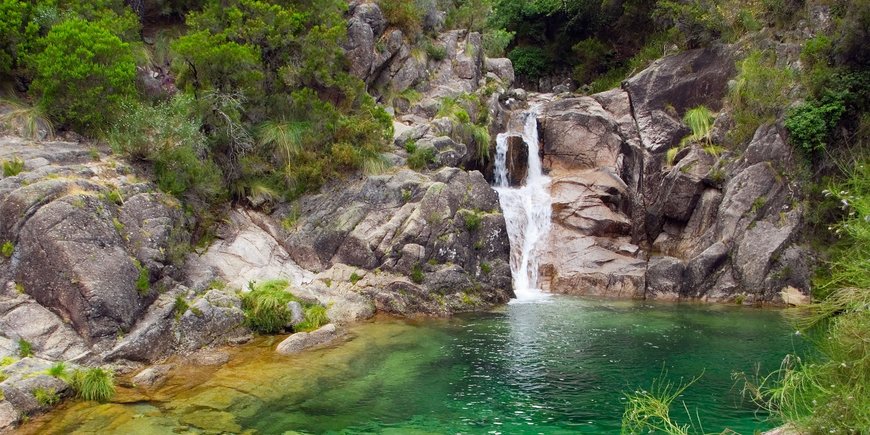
526,209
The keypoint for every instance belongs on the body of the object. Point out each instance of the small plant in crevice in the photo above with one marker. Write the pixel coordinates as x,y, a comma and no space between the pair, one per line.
486,268
700,121
25,348
13,167
355,278
417,274
472,220
57,370
95,384
181,306
758,204
46,396
315,317
421,157
7,249
143,280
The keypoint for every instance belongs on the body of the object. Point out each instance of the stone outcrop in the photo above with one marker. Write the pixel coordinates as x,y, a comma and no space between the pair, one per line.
303,340
626,223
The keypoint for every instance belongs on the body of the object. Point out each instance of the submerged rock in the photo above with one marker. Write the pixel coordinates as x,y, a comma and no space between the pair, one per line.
304,340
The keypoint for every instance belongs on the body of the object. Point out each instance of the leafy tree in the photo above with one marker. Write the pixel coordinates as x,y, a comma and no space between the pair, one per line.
83,74
13,32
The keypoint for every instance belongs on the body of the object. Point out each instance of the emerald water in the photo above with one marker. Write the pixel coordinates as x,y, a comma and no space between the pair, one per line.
556,368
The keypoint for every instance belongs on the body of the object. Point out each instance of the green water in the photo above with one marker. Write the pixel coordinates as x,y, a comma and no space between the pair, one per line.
555,368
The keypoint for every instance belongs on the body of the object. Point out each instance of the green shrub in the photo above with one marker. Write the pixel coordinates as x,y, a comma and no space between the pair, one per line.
699,22
700,120
315,317
404,14
181,306
591,59
13,32
265,306
810,124
95,384
83,74
496,41
168,135
7,249
530,62
46,397
421,158
417,274
486,268
13,167
355,278
25,349
781,12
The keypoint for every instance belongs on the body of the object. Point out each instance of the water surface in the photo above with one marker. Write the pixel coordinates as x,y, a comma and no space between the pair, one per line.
556,368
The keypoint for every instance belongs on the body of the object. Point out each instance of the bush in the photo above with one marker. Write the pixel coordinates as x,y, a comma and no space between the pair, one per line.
13,32
404,14
698,22
168,136
265,306
95,384
435,51
592,58
810,124
57,370
83,74
496,41
530,62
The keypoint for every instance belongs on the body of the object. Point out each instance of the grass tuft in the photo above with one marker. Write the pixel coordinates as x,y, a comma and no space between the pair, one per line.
95,384
265,306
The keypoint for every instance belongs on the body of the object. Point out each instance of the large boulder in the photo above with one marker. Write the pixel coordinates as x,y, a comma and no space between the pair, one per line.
678,83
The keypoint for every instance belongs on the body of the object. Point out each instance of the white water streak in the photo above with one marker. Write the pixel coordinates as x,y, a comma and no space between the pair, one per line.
526,209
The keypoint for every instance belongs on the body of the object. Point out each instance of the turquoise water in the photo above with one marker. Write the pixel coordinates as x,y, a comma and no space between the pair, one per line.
553,368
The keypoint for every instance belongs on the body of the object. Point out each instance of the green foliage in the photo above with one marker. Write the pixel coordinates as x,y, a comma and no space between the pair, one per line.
531,62
57,370
167,135
829,392
592,58
25,349
700,120
671,155
417,274
472,219
46,397
13,167
212,61
435,51
404,14
95,384
759,93
13,32
421,157
143,280
698,22
265,306
810,124
781,12
181,306
7,249
315,317
486,268
496,42
649,411
7,360
355,278
83,74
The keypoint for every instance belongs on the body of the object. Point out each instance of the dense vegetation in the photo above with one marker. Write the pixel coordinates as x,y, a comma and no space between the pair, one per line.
266,111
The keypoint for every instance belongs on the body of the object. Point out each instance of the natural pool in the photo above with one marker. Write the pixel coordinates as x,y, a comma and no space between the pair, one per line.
556,367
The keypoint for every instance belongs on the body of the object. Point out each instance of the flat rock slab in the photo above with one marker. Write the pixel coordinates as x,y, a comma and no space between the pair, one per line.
303,340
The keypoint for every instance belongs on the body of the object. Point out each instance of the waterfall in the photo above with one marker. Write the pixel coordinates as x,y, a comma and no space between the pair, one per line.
526,208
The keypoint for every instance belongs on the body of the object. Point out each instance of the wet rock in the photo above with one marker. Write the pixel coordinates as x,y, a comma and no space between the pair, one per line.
152,377
209,357
664,277
303,340
577,134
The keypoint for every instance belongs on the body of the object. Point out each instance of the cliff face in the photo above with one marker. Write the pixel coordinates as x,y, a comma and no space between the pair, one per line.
712,224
